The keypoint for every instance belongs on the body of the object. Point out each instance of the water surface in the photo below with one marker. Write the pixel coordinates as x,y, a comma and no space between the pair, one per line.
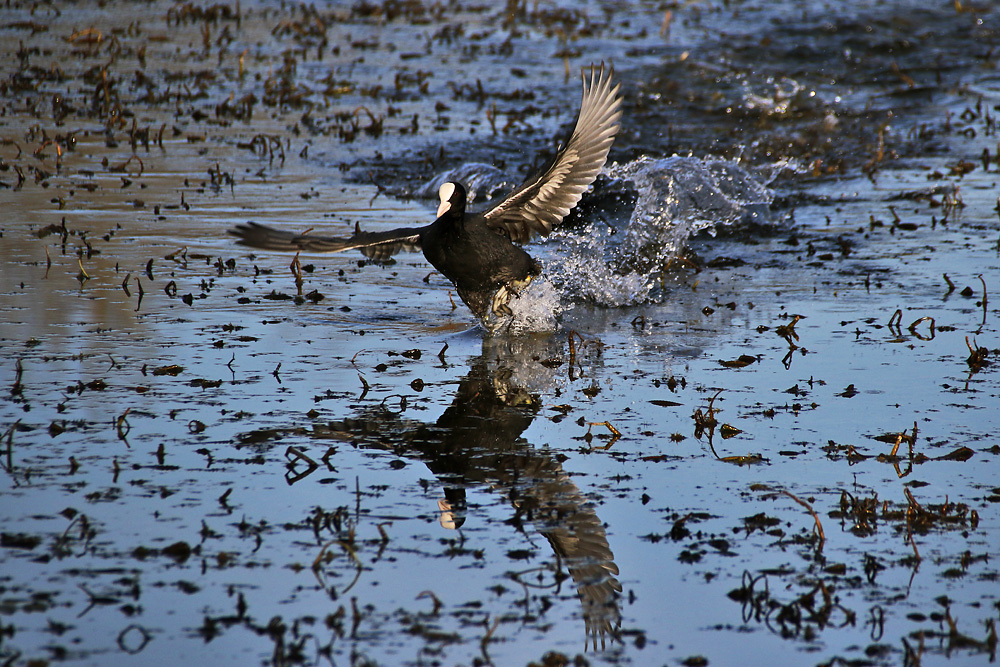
758,423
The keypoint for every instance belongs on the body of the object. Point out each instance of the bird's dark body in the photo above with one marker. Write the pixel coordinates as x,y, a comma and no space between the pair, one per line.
477,259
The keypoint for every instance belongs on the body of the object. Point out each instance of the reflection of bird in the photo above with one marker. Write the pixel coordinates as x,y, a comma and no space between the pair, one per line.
477,441
477,251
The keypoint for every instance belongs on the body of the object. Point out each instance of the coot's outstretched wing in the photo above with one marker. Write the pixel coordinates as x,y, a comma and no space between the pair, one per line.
542,201
378,246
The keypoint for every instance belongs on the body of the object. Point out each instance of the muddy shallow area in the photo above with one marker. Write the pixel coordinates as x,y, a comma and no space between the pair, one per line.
751,415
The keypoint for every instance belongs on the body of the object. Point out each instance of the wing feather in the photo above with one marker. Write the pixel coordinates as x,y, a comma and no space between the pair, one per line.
379,246
542,201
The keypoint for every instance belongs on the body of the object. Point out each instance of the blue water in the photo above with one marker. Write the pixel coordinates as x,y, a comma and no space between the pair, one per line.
322,475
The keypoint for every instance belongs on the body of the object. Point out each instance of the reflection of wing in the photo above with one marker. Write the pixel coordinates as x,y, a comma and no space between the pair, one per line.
577,535
542,201
378,246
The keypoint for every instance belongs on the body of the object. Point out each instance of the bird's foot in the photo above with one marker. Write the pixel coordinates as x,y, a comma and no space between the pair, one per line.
500,314
501,298
518,286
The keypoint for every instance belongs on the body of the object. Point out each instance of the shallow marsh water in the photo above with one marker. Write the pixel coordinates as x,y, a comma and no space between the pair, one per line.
199,466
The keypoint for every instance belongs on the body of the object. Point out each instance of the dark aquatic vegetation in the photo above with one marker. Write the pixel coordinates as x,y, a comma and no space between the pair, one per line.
480,252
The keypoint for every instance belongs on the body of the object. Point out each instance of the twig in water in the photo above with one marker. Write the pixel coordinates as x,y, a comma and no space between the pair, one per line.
18,388
819,526
615,433
122,427
296,268
913,327
985,298
914,508
895,321
9,434
141,293
437,602
484,642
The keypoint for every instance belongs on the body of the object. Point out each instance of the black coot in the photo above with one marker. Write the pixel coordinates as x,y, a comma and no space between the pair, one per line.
479,251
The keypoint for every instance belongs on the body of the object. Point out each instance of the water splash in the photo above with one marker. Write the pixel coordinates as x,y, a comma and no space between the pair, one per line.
617,262
535,310
777,97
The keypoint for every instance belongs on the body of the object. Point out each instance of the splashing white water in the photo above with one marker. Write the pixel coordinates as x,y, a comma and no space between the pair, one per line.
616,263
536,309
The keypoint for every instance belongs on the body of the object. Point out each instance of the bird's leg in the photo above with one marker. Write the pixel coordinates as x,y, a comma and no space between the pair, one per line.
508,325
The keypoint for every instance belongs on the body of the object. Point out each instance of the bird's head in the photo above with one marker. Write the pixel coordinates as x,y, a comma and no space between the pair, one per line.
452,199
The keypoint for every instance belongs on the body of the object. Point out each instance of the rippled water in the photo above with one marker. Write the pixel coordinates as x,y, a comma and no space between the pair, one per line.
747,413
